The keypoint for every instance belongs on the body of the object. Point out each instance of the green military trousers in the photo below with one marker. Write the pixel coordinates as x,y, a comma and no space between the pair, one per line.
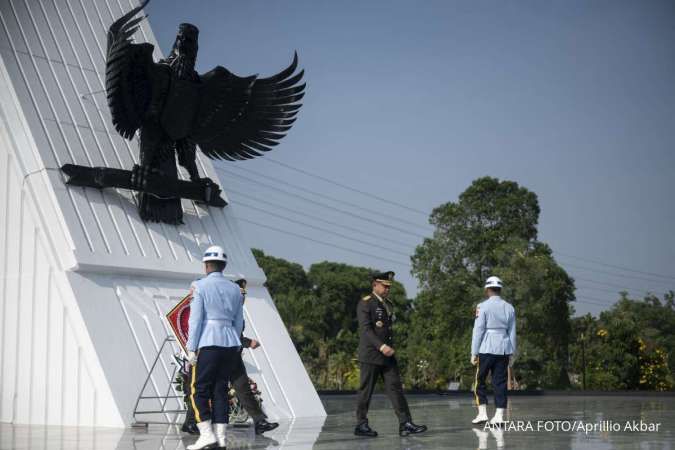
393,388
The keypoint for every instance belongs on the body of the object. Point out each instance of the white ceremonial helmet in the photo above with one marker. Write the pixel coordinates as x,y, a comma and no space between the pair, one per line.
493,282
215,253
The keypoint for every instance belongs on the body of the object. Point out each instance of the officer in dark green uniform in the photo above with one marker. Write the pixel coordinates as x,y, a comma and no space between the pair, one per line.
241,384
376,358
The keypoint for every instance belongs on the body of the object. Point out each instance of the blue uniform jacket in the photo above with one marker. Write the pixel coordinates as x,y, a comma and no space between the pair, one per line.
216,313
494,330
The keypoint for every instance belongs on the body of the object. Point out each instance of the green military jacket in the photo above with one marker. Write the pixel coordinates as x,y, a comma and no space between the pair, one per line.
375,329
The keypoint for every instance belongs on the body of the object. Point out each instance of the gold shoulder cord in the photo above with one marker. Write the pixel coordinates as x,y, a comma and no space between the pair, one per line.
475,383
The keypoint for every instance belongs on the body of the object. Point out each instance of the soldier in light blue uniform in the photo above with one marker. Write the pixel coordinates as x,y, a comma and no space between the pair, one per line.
216,322
492,348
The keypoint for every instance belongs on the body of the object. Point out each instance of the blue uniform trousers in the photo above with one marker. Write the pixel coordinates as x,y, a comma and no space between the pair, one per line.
209,384
498,365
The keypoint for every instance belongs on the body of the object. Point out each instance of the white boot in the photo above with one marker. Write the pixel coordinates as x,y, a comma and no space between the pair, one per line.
498,434
482,416
482,438
498,418
206,436
220,434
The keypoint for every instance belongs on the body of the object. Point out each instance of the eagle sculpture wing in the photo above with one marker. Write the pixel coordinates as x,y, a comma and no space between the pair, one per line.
128,78
240,117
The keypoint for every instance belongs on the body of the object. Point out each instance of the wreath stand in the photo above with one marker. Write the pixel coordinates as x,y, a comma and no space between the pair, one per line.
170,415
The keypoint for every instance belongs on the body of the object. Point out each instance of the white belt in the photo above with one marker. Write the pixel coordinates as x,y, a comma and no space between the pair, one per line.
496,330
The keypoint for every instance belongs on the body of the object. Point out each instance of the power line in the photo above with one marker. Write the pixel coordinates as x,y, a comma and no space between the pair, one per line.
634,294
331,208
381,199
616,286
614,274
353,205
398,219
612,291
594,261
598,303
264,211
328,244
319,219
344,186
586,299
617,289
337,200
614,266
589,300
380,247
323,230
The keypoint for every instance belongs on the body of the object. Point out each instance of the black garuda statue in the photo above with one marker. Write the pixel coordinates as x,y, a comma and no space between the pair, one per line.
176,109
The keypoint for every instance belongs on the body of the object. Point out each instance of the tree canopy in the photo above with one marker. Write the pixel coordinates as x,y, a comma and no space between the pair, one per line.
490,230
319,309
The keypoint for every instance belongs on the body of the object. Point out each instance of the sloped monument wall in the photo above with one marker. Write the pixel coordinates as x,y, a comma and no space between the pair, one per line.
84,283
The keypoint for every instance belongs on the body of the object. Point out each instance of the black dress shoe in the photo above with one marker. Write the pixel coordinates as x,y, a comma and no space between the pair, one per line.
190,428
364,430
263,425
410,428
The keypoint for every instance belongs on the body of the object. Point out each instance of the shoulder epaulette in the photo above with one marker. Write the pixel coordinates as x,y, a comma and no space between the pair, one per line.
366,298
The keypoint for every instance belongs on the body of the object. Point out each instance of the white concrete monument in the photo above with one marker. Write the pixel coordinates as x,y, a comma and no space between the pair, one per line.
84,282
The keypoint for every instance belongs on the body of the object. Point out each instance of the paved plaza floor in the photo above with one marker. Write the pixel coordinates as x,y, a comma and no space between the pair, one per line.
541,422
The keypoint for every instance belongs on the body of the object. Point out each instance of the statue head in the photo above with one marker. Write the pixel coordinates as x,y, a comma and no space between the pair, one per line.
186,43
183,55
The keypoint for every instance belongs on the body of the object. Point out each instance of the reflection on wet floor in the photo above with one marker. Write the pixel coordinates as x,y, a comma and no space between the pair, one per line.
551,422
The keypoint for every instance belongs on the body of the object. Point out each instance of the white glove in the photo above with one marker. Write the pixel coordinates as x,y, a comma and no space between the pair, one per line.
192,358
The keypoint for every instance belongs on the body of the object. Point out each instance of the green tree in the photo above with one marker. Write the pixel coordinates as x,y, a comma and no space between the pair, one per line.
541,292
491,230
283,277
655,318
319,309
336,290
628,347
289,287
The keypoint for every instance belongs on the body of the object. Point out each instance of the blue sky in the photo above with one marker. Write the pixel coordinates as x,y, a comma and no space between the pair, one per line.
411,101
